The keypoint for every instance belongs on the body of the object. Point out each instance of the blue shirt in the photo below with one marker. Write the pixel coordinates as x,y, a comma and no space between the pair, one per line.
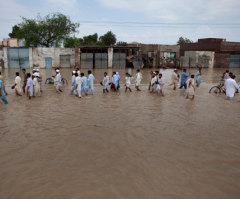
1,87
91,78
84,82
184,77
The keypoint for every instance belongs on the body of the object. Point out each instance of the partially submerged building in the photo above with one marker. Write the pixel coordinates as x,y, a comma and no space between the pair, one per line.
159,56
210,52
207,53
38,57
100,57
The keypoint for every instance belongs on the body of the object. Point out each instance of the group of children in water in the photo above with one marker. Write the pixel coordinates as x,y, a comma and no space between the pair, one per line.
81,84
115,84
187,81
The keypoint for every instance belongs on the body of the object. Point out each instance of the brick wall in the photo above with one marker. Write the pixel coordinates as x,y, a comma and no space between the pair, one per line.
221,60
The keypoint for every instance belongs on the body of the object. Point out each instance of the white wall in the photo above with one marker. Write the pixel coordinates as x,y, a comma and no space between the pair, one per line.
198,58
39,55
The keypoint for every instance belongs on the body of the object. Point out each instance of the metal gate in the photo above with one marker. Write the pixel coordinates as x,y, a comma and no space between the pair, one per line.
18,58
86,60
48,62
119,60
65,61
101,60
234,61
137,62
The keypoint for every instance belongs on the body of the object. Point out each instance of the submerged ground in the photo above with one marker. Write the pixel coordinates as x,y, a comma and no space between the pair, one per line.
120,145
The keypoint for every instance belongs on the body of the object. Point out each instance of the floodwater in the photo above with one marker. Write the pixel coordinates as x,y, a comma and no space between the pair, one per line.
120,145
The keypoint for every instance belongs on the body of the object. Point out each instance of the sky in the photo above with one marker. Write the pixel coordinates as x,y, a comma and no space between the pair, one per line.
143,21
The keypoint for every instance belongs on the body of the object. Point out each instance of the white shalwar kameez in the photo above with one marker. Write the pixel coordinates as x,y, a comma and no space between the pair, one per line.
79,86
36,87
29,86
105,82
174,79
138,79
58,81
190,87
153,84
128,82
18,84
230,86
159,88
115,80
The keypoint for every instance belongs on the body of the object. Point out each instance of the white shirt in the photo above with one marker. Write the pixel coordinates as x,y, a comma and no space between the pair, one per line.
128,81
105,80
58,79
79,81
154,80
115,79
138,76
231,86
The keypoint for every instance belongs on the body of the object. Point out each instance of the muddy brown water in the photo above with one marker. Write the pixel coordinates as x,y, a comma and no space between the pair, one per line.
120,145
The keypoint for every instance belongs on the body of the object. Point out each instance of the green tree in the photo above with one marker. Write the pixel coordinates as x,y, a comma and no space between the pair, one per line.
71,42
89,40
16,32
122,43
48,31
183,40
108,39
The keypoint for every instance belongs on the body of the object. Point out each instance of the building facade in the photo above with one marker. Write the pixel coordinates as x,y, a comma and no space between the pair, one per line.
100,57
210,52
36,57
10,42
159,56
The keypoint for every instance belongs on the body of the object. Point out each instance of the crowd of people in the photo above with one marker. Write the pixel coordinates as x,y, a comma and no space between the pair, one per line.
81,85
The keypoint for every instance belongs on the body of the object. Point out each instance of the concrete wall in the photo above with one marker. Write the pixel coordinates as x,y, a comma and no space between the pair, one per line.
110,57
155,53
3,57
191,59
39,55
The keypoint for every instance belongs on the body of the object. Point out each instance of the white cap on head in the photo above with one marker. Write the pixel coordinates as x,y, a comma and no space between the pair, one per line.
74,71
175,69
37,69
34,69
57,71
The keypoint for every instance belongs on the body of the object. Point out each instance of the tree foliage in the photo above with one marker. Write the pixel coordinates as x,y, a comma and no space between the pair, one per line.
183,40
71,42
108,39
122,43
89,40
48,31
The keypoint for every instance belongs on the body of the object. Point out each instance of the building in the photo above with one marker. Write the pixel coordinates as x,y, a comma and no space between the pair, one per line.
10,42
210,52
159,56
96,57
36,57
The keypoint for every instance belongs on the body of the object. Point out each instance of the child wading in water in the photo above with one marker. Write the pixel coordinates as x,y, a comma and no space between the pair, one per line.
105,82
190,87
128,82
160,85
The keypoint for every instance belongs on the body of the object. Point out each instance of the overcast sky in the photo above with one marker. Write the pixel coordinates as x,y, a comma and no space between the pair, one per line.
144,21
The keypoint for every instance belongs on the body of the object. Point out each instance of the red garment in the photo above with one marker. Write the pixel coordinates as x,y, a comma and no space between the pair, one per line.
189,83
